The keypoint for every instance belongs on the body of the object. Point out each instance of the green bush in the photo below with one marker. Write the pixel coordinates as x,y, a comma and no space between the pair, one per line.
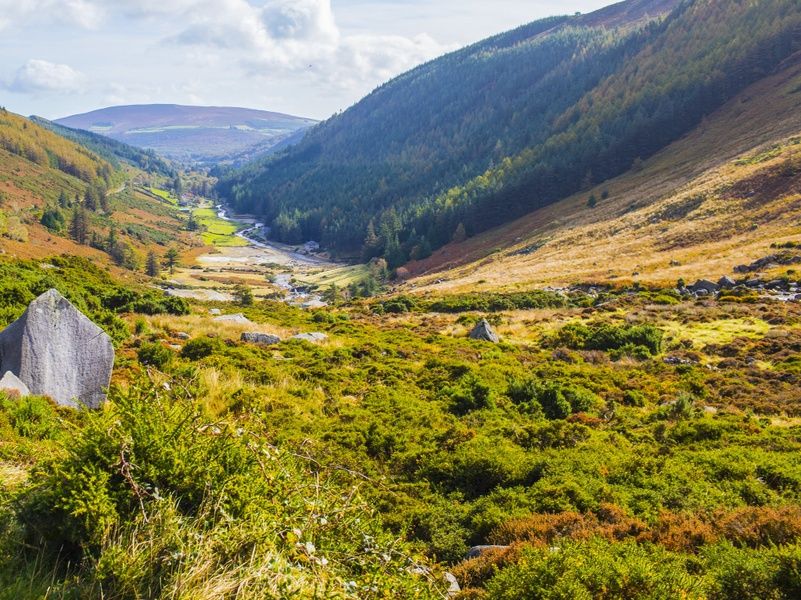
32,417
200,348
151,500
154,354
644,340
595,570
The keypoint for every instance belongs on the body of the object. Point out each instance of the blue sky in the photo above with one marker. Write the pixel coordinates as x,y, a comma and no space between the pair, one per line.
303,57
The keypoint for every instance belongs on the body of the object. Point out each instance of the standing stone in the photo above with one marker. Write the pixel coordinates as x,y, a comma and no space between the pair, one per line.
56,351
484,331
11,383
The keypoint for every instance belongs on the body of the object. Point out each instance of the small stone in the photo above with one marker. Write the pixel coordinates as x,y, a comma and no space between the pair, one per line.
11,383
215,311
237,318
704,284
453,584
311,337
265,339
727,282
182,335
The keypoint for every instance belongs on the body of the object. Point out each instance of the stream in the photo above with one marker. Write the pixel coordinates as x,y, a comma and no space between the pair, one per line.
263,253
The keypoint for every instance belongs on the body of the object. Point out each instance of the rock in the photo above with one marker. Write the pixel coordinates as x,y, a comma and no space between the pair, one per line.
484,331
215,311
704,284
726,283
265,339
453,584
311,337
11,383
182,335
776,284
477,551
237,318
57,351
753,283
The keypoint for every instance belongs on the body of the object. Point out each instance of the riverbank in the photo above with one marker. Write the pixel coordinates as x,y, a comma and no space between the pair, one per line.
241,255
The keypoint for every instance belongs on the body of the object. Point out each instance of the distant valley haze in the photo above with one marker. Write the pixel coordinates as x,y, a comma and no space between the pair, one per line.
301,57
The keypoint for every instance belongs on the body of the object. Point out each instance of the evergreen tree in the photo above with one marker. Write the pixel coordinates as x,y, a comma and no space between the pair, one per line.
192,224
171,259
243,295
152,266
79,225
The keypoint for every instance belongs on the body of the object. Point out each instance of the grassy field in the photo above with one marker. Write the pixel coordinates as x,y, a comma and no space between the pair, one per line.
164,195
341,277
217,231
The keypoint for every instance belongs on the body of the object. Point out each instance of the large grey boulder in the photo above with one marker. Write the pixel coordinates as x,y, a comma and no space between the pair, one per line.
484,331
11,383
726,283
704,285
265,339
55,350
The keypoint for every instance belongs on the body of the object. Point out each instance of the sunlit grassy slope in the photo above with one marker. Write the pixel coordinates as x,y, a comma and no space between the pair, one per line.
217,231
37,166
715,199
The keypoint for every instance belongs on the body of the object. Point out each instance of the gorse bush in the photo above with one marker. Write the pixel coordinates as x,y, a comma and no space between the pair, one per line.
150,499
499,302
89,288
639,340
155,354
554,400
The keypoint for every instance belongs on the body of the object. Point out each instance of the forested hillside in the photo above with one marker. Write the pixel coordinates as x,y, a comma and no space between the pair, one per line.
113,151
20,137
58,196
514,123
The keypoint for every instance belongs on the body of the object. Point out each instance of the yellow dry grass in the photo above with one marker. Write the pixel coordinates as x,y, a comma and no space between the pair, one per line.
200,325
721,331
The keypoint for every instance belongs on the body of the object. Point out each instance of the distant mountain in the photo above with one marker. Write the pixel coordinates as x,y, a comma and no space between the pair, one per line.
517,122
113,151
203,134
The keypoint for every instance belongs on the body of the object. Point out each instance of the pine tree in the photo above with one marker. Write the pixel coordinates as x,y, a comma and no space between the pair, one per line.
243,295
171,259
152,267
79,225
460,234
192,224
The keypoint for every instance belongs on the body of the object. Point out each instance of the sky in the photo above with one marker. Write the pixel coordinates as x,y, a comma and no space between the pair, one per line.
309,58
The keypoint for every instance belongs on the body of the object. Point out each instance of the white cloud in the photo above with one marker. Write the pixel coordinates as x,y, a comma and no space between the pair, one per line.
43,76
84,13
302,36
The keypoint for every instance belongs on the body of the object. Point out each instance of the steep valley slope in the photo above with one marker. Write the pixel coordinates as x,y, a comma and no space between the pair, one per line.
717,198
